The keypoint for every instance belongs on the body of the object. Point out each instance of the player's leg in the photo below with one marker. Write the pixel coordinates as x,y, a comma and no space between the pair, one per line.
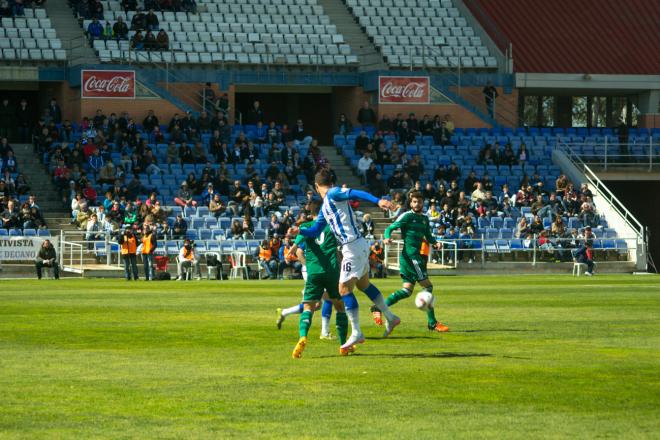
433,323
374,294
346,287
326,315
283,313
312,295
341,319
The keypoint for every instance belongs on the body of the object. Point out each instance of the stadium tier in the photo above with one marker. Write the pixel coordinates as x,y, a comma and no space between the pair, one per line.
261,32
30,37
421,33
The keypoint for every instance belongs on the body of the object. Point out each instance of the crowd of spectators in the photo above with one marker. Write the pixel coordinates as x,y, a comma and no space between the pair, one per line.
456,201
16,8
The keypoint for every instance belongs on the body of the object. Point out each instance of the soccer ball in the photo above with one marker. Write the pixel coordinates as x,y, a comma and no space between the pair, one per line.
424,299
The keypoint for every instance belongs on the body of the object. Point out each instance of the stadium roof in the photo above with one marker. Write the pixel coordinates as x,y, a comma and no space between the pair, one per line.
583,36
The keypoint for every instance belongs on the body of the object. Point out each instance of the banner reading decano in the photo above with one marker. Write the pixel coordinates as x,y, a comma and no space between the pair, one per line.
404,90
20,248
108,84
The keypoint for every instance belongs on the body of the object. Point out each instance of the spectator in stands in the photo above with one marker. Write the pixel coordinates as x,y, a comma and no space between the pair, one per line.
94,30
188,258
300,136
184,196
221,105
522,228
151,21
54,111
344,126
377,260
363,166
386,126
162,40
150,41
189,6
237,232
7,113
239,197
139,21
289,259
120,29
150,121
11,216
96,162
108,33
46,257
490,95
522,156
5,9
366,115
254,114
23,120
405,135
368,227
179,227
18,8
216,206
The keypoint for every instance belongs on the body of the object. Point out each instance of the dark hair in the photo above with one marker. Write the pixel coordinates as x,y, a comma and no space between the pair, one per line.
415,195
314,206
324,178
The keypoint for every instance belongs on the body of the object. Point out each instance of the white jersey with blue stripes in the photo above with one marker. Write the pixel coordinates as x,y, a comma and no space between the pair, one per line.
337,211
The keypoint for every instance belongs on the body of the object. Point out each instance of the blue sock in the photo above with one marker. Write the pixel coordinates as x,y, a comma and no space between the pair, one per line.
326,310
372,292
301,307
350,301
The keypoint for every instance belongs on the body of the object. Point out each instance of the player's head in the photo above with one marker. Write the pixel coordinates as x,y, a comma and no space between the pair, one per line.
323,181
314,206
416,200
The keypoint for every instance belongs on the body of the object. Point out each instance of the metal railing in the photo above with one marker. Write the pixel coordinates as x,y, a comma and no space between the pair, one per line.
69,252
615,155
482,250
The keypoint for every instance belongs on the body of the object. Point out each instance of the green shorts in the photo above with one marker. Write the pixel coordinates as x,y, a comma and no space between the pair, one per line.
413,269
319,282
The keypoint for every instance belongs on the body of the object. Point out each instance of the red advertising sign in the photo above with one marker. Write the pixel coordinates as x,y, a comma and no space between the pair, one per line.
404,90
108,84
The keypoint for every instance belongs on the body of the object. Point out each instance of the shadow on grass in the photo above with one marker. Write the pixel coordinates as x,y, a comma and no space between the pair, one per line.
492,330
441,355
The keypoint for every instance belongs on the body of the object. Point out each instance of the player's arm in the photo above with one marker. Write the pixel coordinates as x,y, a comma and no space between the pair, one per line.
362,196
393,227
316,229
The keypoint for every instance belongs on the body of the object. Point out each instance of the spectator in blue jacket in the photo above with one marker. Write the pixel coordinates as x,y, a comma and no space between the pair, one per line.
96,162
95,30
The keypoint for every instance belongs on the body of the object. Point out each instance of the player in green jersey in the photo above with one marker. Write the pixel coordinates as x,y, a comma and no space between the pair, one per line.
322,275
414,226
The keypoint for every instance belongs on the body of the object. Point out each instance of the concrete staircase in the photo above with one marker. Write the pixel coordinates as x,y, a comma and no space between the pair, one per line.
69,31
370,58
56,214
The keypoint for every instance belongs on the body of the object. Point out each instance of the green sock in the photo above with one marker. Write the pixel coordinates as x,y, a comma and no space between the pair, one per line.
430,315
397,296
305,322
342,326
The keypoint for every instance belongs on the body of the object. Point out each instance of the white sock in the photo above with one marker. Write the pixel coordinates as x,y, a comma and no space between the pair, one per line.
354,318
291,310
325,325
379,301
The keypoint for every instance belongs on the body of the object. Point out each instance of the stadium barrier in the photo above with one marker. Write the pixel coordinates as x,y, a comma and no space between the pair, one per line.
516,250
604,154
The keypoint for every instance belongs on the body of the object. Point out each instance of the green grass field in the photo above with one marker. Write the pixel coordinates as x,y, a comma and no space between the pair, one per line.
527,357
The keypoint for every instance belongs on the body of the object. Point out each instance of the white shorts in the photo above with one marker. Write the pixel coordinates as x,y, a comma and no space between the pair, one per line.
355,261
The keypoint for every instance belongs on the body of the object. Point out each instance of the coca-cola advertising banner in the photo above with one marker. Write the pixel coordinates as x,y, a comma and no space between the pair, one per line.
108,84
404,90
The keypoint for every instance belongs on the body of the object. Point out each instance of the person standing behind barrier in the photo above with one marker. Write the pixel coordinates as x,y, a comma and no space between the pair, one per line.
47,258
149,243
128,244
490,94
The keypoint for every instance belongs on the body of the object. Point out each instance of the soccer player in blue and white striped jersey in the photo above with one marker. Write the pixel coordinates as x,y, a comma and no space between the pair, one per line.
337,212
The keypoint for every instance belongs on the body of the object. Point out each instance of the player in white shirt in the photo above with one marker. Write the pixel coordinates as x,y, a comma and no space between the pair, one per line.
337,212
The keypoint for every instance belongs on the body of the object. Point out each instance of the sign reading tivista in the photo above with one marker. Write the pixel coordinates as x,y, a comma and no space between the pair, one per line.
19,248
404,90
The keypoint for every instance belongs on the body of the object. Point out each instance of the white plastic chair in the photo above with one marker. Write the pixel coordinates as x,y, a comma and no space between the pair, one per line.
238,266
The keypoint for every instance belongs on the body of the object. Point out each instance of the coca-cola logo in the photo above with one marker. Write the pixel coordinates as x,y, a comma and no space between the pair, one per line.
108,84
410,90
116,84
403,89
